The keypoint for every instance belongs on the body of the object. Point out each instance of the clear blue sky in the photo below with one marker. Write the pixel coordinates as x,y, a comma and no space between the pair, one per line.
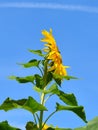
76,33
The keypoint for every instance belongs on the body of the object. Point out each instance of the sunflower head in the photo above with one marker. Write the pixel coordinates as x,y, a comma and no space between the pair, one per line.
53,54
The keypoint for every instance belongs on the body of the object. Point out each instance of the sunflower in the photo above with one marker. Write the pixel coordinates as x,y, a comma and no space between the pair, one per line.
53,54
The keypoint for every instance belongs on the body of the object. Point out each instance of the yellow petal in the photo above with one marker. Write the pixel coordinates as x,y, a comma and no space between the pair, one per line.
45,127
53,54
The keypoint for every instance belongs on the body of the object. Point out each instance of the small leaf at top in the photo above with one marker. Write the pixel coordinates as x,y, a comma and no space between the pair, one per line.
31,63
69,77
64,77
38,52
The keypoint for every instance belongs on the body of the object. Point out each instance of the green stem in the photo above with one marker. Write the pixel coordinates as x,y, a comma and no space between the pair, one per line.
41,112
49,117
37,116
40,70
35,119
43,94
48,98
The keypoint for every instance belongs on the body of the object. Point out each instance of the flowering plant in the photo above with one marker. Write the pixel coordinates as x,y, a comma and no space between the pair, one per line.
47,83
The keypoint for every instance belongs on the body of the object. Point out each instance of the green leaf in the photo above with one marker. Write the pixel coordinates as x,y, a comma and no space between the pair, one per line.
23,79
59,78
79,110
31,126
31,63
91,125
83,128
52,89
69,77
49,77
69,99
39,90
38,52
5,126
63,129
39,81
29,104
50,128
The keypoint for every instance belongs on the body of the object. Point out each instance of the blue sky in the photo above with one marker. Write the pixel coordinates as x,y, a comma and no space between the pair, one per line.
75,28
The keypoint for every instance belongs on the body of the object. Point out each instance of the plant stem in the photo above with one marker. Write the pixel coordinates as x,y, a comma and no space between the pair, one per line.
41,112
40,70
35,119
48,98
43,94
49,117
37,116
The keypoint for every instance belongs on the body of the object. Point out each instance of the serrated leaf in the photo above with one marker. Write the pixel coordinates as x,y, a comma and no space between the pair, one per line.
5,126
23,79
31,63
38,52
78,110
29,104
69,99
